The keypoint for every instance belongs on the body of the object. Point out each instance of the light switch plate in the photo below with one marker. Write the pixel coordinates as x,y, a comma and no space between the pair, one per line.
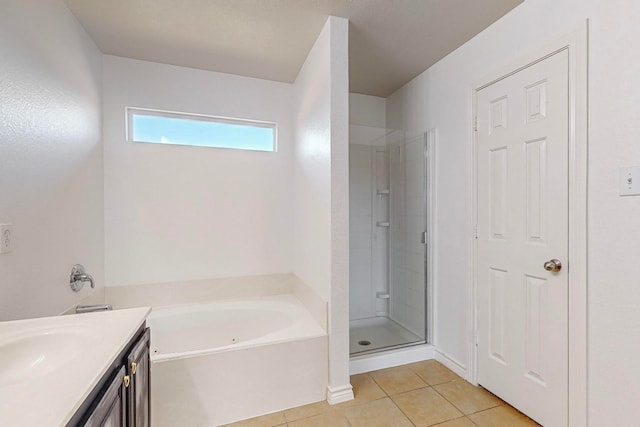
630,181
6,238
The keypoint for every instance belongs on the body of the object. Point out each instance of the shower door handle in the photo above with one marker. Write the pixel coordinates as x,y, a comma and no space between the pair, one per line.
423,237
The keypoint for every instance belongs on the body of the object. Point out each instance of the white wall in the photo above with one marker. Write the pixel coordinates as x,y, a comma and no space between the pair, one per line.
312,168
321,179
178,213
50,157
339,383
440,97
366,110
367,120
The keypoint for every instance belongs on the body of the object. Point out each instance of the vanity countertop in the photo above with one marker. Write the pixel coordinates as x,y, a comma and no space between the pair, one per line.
48,366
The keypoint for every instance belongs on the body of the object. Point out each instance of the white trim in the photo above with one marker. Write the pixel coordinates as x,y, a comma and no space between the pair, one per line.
154,112
576,44
578,227
391,358
451,363
339,394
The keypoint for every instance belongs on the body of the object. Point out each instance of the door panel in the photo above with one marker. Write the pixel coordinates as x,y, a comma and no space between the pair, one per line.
110,411
522,160
138,369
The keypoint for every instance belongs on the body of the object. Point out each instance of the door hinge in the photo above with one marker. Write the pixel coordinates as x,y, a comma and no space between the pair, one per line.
475,231
423,237
476,338
475,123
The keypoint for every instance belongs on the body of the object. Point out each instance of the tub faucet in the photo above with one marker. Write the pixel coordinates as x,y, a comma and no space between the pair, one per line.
78,277
91,308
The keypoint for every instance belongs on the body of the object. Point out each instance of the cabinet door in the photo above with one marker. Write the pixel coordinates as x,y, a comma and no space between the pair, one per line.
138,393
110,411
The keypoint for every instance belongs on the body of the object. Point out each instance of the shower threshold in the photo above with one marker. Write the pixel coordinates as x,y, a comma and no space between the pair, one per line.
379,333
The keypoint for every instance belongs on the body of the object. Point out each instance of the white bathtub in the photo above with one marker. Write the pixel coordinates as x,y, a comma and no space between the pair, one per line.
220,362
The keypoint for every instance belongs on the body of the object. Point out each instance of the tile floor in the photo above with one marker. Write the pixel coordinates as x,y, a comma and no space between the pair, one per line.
419,394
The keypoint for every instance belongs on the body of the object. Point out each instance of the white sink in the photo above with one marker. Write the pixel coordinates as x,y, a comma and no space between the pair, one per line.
34,353
50,365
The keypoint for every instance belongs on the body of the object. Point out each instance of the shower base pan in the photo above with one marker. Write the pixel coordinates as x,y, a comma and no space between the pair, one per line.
377,333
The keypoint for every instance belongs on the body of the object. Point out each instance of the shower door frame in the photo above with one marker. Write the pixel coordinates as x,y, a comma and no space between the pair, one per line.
431,200
429,139
429,179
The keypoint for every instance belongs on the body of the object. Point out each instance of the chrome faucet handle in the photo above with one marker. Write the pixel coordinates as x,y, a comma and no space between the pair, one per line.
88,278
79,277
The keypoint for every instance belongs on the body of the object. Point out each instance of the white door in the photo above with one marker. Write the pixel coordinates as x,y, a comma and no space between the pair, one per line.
522,307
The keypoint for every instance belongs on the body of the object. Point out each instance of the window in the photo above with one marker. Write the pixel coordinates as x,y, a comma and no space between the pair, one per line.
164,127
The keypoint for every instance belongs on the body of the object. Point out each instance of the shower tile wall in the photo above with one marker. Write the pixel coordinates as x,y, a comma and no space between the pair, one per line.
369,253
381,233
360,232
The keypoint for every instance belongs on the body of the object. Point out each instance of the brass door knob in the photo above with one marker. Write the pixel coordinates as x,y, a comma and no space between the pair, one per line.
553,265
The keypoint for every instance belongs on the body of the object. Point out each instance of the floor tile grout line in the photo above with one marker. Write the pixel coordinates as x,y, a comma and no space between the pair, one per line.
332,408
402,412
388,396
378,384
471,421
460,409
452,419
509,407
450,402
361,404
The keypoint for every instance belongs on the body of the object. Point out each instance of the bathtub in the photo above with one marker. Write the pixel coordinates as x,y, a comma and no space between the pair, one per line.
218,362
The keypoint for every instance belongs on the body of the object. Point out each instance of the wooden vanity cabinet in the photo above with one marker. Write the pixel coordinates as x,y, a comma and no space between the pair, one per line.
111,409
121,398
138,369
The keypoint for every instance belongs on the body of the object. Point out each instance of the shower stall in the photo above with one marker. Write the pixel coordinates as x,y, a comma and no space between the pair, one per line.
388,235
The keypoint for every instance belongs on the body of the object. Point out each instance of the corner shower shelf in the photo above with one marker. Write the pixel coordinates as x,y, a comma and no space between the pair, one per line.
382,223
382,295
381,192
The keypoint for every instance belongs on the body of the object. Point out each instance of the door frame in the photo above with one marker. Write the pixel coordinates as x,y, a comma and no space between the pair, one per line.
431,198
576,44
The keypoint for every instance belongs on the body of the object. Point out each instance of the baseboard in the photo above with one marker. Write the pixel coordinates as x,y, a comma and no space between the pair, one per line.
339,394
391,358
451,363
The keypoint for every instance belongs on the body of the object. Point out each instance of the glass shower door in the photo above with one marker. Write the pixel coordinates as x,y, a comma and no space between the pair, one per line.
387,253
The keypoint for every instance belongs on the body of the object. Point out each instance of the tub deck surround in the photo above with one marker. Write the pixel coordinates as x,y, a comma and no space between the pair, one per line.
307,296
219,362
196,291
223,289
52,397
192,330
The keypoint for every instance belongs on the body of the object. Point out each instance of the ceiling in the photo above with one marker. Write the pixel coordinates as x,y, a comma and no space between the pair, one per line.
390,41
